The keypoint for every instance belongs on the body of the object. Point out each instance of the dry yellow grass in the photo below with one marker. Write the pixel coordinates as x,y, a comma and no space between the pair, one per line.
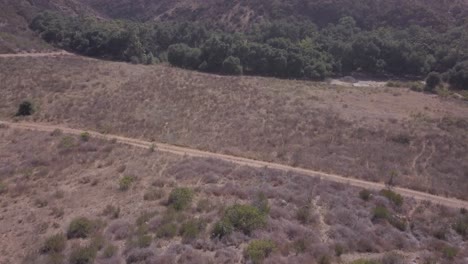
415,140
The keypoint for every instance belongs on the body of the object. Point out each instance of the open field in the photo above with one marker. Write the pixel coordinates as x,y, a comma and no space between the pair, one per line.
49,179
415,140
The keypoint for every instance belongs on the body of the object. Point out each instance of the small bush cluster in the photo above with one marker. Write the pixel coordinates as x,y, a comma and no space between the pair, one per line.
392,196
258,250
3,188
303,215
192,228
80,228
54,244
382,213
365,195
180,198
244,218
83,255
461,225
26,108
112,211
85,136
125,182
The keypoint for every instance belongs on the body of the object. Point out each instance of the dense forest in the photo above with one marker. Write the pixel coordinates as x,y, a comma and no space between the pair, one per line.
279,48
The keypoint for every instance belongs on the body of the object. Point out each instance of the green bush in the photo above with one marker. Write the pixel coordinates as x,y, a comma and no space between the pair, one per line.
232,65
380,212
180,198
144,241
394,197
83,255
26,108
109,251
245,218
191,229
80,228
365,195
85,136
3,188
222,228
449,252
461,226
168,230
125,183
54,244
303,215
258,250
432,81
261,203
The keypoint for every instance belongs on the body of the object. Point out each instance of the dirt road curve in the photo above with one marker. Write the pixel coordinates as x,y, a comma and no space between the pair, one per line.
450,202
47,54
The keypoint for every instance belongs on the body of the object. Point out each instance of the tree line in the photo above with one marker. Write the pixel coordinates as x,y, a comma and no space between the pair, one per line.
282,49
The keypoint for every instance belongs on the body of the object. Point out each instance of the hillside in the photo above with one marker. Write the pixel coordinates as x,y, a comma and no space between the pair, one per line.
415,139
78,199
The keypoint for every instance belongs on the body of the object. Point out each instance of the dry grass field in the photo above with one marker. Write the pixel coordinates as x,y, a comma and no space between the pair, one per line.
124,199
412,139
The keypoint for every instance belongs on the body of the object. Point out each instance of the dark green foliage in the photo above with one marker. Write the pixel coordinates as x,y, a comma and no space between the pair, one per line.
449,252
232,65
80,227
432,81
461,225
83,255
258,250
381,212
125,183
365,195
191,229
293,49
261,203
394,197
222,228
180,198
245,218
26,108
168,230
54,244
85,136
144,241
458,76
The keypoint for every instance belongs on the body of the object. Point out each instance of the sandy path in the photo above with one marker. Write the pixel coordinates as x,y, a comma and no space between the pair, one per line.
450,202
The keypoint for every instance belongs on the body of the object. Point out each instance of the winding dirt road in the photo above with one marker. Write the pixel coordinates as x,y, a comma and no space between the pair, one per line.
450,202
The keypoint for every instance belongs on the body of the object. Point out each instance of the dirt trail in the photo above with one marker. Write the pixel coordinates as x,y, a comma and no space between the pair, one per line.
450,202
45,54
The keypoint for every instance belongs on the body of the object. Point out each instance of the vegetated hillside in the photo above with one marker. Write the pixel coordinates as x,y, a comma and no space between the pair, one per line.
76,199
243,13
391,135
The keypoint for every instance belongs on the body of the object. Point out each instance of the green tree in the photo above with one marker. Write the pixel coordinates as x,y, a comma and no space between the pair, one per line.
432,81
232,65
458,76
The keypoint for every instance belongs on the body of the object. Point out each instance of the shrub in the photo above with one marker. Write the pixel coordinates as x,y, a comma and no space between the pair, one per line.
144,241
392,196
80,228
232,65
258,250
83,255
3,188
417,87
112,211
432,81
191,229
54,244
222,228
67,142
461,225
125,183
364,261
26,108
380,212
153,195
245,218
365,195
180,198
458,76
303,215
109,251
261,203
145,217
85,136
449,252
168,230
